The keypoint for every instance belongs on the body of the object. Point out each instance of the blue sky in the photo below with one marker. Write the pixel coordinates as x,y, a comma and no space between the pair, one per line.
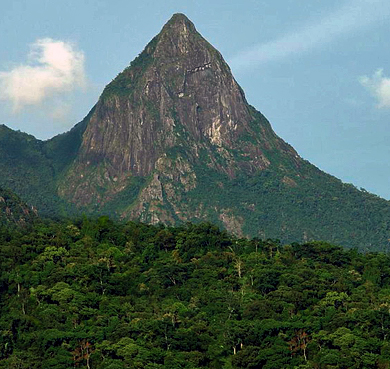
319,70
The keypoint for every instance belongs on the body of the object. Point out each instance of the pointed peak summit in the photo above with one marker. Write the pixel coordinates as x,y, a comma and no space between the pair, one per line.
179,39
179,21
176,51
179,18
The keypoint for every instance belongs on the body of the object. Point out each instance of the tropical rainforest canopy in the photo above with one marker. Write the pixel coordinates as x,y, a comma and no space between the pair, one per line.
102,295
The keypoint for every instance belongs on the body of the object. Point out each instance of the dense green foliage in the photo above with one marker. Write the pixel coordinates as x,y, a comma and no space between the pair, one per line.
98,294
63,148
26,170
316,206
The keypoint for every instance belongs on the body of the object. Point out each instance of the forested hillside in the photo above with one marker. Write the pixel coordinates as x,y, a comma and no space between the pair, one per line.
13,211
29,168
102,295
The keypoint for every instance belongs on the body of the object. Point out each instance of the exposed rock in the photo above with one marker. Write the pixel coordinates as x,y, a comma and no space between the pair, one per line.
289,181
231,222
149,207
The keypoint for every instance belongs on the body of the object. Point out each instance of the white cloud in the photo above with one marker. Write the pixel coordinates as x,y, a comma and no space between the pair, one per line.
379,87
53,67
354,15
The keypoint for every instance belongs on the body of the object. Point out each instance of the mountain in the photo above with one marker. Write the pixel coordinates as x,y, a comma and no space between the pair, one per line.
172,139
175,112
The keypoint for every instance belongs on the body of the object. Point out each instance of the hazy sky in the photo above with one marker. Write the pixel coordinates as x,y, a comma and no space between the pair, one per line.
319,70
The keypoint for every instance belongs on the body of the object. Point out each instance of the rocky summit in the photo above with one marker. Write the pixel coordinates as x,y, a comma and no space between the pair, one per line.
172,139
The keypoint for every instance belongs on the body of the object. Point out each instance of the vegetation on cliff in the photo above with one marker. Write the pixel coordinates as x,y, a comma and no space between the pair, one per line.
97,294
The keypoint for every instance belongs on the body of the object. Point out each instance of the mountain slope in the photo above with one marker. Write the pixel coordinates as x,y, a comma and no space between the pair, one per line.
173,139
26,170
14,211
31,167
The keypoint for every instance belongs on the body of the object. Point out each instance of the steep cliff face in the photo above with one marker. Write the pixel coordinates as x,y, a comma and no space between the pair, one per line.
176,108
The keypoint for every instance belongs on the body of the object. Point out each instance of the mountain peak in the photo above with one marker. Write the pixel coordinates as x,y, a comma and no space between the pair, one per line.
179,38
178,29
179,19
174,108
